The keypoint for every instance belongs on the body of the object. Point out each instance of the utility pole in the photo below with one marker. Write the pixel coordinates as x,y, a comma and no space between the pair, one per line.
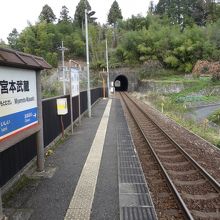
62,48
87,61
107,68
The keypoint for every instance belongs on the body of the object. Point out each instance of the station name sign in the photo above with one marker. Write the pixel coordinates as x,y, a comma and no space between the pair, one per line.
18,100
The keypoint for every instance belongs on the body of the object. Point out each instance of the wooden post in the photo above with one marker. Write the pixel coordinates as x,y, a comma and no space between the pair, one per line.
62,126
162,105
1,209
71,98
40,140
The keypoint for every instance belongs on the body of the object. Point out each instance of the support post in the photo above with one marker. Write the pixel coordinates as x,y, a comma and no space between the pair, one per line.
79,107
71,103
1,209
87,61
40,140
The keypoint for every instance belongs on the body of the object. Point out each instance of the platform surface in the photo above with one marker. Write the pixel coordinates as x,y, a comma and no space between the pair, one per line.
95,174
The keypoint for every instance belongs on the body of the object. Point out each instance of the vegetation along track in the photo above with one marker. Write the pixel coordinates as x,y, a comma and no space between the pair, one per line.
197,192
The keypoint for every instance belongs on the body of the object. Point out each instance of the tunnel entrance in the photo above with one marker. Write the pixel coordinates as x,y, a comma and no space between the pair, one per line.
121,83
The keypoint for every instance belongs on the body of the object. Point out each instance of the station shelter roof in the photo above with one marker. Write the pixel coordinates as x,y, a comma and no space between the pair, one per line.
18,59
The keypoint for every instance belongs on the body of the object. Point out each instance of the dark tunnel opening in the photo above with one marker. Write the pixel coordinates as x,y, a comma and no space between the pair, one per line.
121,83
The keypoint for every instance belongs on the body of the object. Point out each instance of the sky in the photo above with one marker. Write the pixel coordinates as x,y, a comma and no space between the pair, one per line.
16,14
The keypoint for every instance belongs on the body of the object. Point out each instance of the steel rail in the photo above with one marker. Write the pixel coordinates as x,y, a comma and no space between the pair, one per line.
186,211
205,174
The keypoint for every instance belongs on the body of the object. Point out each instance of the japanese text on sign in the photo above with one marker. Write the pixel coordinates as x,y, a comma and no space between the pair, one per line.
18,100
14,86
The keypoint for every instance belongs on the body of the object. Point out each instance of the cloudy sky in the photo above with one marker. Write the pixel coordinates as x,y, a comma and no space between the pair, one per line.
15,14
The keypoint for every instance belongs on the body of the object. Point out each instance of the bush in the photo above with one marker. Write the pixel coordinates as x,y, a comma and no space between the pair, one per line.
171,61
201,67
207,68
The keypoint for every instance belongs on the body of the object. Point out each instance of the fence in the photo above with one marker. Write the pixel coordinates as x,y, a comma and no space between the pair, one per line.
16,157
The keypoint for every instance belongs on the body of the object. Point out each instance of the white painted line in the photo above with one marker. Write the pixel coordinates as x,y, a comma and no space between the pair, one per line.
81,203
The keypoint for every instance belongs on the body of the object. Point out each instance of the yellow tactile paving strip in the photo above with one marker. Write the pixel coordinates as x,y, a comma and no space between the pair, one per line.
81,203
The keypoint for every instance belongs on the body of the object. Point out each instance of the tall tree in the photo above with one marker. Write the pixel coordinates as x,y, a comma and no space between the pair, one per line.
3,44
151,7
64,14
162,7
79,16
211,9
114,14
13,39
186,12
183,12
199,12
47,14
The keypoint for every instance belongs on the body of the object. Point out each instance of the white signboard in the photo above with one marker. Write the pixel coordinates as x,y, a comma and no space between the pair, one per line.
62,108
74,81
18,100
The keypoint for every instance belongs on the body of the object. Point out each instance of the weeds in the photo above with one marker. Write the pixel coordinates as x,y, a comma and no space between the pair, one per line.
17,187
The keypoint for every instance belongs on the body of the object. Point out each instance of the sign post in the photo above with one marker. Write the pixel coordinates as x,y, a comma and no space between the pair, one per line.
20,102
40,136
1,210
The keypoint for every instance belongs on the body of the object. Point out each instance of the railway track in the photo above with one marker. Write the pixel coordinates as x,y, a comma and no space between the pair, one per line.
197,192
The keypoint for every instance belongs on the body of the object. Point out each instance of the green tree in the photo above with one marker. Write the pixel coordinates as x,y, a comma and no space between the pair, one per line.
199,13
79,16
162,7
3,44
134,23
47,14
218,10
187,12
114,14
27,41
64,14
151,8
13,39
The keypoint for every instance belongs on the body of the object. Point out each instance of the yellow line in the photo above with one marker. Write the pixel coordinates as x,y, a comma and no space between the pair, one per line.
81,203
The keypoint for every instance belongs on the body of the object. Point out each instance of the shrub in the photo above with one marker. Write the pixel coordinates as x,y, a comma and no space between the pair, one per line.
171,61
206,67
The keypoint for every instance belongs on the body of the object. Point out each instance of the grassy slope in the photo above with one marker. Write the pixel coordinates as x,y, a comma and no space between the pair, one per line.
175,105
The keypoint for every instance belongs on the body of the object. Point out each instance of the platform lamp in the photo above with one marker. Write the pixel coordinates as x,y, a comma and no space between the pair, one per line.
87,60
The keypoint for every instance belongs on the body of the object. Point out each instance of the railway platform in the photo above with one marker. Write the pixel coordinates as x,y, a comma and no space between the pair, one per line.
94,174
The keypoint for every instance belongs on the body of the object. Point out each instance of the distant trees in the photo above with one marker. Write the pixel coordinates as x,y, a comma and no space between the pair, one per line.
64,15
175,35
134,23
47,14
188,12
13,39
3,44
166,43
114,14
79,16
151,8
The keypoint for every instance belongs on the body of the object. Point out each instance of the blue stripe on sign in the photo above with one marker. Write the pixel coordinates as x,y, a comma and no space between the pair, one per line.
17,121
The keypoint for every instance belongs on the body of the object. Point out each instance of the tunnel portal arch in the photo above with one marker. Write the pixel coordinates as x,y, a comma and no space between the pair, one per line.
121,83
